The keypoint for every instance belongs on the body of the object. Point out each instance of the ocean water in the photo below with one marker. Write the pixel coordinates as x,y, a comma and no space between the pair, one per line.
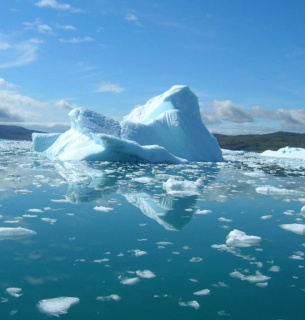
139,241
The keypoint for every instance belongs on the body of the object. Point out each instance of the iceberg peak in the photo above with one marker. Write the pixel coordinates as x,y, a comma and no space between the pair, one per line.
178,98
168,128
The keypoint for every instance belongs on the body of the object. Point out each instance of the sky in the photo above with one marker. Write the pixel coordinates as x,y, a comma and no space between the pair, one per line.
244,59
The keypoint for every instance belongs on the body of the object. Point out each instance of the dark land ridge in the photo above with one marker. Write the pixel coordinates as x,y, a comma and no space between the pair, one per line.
15,133
249,142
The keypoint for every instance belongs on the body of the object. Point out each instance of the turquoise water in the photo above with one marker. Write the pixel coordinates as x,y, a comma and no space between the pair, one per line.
98,224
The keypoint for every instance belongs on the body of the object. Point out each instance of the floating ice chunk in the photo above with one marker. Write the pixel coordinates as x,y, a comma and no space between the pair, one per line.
194,304
258,277
274,269
297,228
238,238
287,152
203,292
181,188
164,243
262,284
203,211
112,297
147,274
195,259
29,215
49,220
222,219
35,210
102,209
273,191
101,260
15,233
138,253
14,292
130,281
269,216
56,306
144,180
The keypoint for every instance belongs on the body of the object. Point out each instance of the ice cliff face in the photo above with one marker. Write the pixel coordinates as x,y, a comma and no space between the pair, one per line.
168,128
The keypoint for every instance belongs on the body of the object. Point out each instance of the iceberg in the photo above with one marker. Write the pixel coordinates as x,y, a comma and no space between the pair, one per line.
167,129
287,152
57,306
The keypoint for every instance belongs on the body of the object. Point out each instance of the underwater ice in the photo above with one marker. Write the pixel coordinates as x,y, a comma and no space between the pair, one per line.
168,128
56,306
15,233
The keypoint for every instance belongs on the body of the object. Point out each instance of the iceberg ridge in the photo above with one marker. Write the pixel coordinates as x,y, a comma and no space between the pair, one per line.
168,129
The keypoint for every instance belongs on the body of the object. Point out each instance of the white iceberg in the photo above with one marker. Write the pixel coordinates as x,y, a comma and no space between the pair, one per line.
57,306
237,238
15,233
297,228
168,128
14,292
287,152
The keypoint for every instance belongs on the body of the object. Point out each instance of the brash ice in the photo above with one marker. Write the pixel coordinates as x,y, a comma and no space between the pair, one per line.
168,128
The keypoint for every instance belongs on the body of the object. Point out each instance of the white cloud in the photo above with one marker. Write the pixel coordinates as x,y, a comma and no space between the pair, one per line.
56,5
131,17
65,27
77,40
110,87
232,118
63,104
5,84
19,54
38,27
225,111
16,107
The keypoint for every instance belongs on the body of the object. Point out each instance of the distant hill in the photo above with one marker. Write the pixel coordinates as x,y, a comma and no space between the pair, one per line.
261,142
15,133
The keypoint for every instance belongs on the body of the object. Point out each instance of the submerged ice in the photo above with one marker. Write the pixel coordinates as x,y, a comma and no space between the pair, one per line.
168,128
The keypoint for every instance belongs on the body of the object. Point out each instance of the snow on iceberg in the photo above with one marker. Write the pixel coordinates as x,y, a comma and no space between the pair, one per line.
287,152
168,128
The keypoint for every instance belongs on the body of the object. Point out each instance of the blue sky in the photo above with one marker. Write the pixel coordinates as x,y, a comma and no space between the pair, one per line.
245,60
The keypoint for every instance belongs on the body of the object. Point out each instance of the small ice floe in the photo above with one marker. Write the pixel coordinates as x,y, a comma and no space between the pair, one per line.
298,255
203,292
15,233
288,212
23,191
129,281
29,215
101,260
60,200
56,306
275,269
35,210
203,211
195,259
269,216
49,220
146,274
262,284
193,280
297,228
194,304
222,219
237,238
144,180
138,253
164,243
274,191
14,292
258,277
103,209
223,313
182,188
111,297
220,284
